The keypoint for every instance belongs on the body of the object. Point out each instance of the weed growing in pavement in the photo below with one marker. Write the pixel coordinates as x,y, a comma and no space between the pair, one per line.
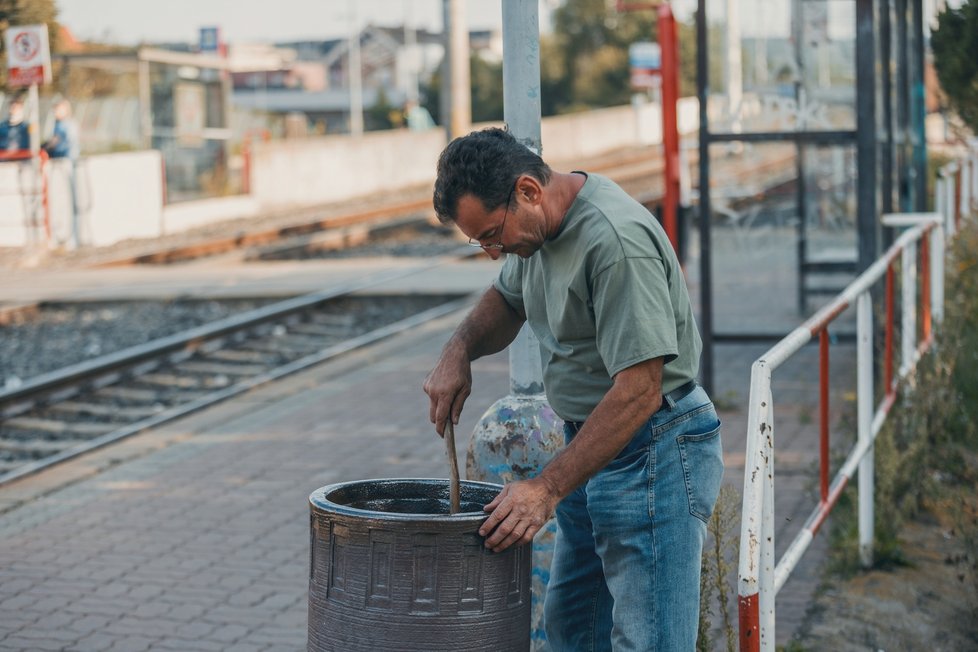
719,553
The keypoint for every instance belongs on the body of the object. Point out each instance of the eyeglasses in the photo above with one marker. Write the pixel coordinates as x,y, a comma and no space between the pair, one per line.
499,243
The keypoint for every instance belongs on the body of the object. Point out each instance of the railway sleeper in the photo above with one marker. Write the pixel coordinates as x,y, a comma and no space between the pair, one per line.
218,368
246,356
55,427
35,449
127,413
323,330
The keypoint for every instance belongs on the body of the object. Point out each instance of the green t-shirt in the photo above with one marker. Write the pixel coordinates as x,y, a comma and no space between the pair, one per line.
605,293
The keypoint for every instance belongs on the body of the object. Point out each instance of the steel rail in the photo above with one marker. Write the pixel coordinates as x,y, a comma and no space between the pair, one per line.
211,398
49,383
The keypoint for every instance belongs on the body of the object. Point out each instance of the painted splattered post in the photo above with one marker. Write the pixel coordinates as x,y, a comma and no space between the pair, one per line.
520,433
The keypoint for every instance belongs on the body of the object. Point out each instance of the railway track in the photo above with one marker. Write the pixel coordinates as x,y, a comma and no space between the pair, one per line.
59,415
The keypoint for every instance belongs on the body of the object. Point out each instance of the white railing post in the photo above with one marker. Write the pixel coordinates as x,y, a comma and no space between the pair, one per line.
756,568
940,197
937,273
908,348
949,200
768,561
865,400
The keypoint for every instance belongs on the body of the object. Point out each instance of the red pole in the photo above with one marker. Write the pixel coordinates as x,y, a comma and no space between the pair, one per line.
669,44
45,206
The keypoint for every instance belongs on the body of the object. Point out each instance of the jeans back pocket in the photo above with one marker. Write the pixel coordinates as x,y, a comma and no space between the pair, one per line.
702,457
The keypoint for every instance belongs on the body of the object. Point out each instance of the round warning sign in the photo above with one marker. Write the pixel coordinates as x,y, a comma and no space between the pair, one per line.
27,46
28,60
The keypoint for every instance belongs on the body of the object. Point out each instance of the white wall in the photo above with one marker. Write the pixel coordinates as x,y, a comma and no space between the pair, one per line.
121,195
334,168
126,195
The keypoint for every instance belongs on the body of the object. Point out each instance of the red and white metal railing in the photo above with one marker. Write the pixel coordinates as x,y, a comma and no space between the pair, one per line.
760,575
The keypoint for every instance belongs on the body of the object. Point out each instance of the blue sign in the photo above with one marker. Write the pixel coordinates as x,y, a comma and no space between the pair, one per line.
645,55
210,39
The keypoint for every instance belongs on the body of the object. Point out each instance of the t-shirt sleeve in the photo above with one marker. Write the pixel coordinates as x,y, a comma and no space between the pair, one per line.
633,313
509,283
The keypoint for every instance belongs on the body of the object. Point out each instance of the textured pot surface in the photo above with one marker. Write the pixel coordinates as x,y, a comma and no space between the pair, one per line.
392,570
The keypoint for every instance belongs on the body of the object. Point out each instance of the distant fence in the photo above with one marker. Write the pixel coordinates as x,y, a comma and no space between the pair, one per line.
921,251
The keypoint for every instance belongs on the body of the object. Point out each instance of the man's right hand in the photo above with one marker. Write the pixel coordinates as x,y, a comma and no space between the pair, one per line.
448,385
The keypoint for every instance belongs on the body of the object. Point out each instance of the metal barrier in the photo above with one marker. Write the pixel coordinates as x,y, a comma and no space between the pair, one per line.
760,576
37,208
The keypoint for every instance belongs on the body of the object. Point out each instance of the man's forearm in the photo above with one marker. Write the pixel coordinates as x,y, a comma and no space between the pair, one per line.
608,429
489,328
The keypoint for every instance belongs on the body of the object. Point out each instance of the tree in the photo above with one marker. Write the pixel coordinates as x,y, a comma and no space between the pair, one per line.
590,42
584,63
487,89
18,12
955,46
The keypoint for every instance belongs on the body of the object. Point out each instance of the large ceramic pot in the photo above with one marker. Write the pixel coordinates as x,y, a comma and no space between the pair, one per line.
391,570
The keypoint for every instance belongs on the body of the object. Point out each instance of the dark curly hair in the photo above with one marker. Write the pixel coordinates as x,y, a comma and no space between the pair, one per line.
484,164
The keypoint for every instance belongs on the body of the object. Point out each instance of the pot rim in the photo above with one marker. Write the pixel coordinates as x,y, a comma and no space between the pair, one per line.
318,500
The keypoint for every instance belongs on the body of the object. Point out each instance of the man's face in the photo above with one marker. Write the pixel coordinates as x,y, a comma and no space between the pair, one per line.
16,112
503,230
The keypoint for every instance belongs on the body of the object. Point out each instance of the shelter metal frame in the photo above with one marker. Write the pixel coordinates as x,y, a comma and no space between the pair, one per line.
888,139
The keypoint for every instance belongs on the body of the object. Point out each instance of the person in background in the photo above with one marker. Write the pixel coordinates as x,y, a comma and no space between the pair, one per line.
63,145
417,117
14,131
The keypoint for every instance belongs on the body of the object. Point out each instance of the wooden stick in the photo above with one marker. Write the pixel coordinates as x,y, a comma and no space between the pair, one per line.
455,493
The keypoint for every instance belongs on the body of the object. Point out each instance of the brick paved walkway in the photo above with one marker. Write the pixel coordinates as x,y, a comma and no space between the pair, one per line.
195,537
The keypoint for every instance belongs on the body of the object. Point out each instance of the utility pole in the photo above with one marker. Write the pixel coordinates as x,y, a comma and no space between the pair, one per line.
457,78
410,49
735,75
356,73
520,433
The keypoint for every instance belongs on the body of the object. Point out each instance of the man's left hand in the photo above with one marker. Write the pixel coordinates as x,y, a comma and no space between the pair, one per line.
519,511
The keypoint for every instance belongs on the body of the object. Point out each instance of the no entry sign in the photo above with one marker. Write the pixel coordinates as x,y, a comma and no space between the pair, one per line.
28,55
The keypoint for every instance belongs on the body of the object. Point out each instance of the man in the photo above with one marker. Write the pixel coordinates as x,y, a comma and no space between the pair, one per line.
14,133
64,136
595,277
64,145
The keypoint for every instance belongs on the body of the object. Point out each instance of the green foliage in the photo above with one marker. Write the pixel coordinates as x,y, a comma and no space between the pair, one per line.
590,47
955,47
383,114
34,12
487,90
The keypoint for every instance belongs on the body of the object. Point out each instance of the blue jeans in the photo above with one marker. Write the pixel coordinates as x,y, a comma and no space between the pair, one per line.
626,566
